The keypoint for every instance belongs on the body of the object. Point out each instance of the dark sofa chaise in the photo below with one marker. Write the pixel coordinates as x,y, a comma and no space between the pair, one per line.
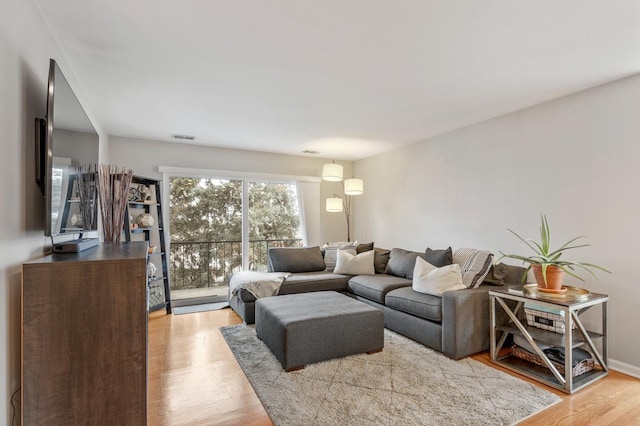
456,324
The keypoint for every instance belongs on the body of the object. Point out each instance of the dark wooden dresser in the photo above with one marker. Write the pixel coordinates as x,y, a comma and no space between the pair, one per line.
84,337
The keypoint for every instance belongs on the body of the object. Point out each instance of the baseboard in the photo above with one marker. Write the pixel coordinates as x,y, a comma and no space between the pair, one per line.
628,369
198,300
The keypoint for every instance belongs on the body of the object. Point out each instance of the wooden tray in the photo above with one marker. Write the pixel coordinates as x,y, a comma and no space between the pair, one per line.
572,293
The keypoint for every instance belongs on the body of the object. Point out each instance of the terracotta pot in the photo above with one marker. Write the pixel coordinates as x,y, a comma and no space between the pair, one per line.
555,276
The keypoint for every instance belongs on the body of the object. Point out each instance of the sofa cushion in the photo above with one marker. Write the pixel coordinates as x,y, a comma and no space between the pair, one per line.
381,259
429,279
305,282
401,262
412,302
474,265
376,287
439,258
314,281
359,264
295,259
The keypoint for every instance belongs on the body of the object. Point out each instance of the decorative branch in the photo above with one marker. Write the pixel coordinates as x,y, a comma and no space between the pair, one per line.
113,186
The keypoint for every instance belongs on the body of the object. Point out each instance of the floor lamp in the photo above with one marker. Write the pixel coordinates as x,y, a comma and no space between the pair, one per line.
333,173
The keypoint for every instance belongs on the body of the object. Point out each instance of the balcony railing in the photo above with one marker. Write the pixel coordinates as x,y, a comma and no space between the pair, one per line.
200,264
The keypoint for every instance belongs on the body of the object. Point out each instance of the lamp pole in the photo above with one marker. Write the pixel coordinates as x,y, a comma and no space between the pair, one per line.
347,212
341,204
333,172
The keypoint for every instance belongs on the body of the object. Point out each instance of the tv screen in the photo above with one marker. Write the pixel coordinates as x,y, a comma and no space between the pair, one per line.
71,144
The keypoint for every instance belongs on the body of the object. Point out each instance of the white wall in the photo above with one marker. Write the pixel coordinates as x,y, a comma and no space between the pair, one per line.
144,157
25,49
575,159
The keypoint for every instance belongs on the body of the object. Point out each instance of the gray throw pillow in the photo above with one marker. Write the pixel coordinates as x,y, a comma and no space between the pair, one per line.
402,262
380,260
295,259
361,248
502,274
439,258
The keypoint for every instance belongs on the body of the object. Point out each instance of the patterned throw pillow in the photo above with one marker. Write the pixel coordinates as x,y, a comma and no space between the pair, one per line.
340,244
474,265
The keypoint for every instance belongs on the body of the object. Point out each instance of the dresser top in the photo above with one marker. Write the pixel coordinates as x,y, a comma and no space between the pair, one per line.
102,252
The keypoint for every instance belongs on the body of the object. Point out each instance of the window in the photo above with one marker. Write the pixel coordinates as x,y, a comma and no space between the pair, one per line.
216,229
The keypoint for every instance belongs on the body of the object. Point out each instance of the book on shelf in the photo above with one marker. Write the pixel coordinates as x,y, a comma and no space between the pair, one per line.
516,289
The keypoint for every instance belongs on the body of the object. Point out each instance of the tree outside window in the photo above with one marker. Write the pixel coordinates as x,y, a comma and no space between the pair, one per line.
206,227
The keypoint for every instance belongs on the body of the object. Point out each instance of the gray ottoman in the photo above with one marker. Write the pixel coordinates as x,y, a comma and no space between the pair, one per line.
305,328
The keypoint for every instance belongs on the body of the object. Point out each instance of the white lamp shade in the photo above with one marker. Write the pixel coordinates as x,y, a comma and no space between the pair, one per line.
332,172
334,205
353,187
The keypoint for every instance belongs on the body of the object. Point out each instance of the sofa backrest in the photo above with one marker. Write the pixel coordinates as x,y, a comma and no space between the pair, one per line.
295,259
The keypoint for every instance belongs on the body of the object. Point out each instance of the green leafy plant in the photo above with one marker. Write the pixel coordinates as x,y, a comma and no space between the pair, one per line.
545,256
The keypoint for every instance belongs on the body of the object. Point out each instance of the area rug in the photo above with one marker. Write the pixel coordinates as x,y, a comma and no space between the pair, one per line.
191,309
405,384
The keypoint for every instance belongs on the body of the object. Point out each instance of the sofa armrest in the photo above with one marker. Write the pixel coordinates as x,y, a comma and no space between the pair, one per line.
465,321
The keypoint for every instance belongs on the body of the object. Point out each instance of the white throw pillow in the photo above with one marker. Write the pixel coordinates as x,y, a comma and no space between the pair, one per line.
360,264
331,257
431,280
330,250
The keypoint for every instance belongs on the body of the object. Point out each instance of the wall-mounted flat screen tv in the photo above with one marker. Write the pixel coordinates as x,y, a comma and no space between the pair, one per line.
68,141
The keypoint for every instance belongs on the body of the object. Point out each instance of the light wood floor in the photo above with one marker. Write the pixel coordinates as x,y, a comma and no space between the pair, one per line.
195,380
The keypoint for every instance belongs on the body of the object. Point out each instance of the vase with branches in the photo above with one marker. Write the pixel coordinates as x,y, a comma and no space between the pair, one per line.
113,189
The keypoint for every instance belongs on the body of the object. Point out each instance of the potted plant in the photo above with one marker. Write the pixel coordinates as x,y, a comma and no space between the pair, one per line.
547,264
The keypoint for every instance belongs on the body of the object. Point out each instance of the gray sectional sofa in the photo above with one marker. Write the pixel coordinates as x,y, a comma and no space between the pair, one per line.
456,323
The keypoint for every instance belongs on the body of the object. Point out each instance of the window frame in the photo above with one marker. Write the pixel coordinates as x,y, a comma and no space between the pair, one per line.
168,172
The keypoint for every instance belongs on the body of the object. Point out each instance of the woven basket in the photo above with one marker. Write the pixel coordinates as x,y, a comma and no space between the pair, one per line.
156,294
581,368
546,320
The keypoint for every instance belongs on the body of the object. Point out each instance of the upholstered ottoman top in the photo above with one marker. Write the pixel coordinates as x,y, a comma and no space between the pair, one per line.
304,328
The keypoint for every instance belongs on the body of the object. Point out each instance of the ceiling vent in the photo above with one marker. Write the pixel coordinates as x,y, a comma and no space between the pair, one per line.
183,137
310,151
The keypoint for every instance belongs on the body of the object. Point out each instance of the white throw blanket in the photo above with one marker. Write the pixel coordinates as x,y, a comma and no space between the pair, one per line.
259,284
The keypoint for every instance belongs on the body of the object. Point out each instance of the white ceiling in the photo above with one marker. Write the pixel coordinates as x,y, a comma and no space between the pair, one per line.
347,78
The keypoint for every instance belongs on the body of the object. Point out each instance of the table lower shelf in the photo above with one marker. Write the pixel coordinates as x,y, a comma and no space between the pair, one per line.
544,375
